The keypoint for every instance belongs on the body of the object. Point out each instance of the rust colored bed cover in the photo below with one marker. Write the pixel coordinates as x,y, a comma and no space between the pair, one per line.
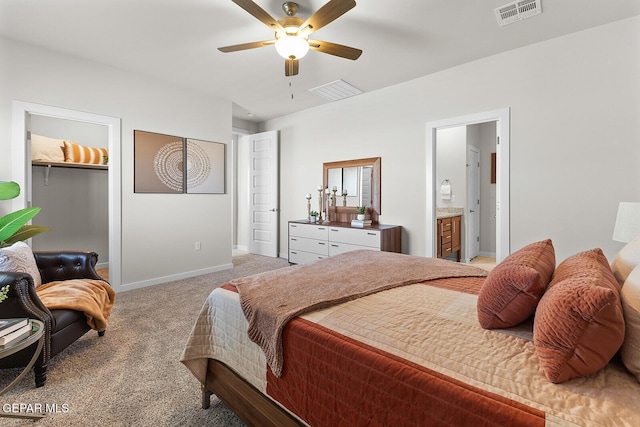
416,356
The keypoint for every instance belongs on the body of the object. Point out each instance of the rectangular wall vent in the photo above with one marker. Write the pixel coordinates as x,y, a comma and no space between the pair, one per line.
336,90
517,11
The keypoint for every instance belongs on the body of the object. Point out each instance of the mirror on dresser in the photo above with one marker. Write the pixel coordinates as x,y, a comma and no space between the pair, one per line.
360,180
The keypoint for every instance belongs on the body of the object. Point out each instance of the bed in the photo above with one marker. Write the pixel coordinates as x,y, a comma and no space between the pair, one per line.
418,352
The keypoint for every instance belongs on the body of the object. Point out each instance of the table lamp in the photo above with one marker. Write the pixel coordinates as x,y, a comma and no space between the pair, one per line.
627,222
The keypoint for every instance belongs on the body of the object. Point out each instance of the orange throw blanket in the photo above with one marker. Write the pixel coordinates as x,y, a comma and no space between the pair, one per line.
93,297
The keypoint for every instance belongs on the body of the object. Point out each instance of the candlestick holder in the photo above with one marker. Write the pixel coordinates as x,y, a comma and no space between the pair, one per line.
327,220
344,197
320,205
308,197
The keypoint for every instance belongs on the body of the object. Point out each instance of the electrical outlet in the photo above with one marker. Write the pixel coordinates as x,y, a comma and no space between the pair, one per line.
197,247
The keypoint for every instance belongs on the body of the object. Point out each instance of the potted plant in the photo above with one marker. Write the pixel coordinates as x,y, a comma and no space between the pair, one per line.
360,210
314,216
12,225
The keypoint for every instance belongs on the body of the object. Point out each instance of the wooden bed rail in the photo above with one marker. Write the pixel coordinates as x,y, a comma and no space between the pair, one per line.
249,404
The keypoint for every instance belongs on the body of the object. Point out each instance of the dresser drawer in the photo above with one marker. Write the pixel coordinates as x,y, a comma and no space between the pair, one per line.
319,232
301,257
354,236
340,248
446,249
319,247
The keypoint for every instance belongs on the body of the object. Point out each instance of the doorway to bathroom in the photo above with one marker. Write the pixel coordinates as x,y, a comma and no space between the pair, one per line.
496,208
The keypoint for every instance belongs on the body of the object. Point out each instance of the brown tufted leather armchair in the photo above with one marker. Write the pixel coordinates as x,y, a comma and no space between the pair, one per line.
62,327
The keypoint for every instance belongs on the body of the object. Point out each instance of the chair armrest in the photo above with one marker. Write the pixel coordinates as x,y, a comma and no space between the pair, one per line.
22,300
54,265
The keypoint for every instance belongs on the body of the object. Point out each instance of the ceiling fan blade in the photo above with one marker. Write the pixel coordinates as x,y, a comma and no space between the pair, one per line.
327,13
335,49
259,13
245,46
291,67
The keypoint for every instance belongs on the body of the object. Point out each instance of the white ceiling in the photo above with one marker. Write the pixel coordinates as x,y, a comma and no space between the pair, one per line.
176,41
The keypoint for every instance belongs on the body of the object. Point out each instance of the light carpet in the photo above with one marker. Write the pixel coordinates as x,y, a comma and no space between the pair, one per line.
132,376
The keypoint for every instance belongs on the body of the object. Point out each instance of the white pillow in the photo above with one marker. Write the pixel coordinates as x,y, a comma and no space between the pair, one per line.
630,350
46,149
626,260
18,258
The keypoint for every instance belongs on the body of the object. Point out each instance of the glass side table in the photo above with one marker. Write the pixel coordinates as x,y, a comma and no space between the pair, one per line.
37,335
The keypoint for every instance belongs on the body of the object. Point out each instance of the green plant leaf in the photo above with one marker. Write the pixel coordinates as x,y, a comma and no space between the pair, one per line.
11,223
25,232
9,190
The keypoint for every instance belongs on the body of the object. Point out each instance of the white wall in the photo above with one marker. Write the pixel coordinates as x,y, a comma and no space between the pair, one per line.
158,231
451,156
575,103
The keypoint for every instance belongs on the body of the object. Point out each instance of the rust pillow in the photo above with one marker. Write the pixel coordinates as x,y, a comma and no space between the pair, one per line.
512,290
579,324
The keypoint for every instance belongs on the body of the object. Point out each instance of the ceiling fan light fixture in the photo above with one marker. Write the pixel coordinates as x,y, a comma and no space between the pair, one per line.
292,47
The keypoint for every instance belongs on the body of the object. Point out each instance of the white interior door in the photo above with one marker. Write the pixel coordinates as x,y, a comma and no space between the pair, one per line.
473,202
264,194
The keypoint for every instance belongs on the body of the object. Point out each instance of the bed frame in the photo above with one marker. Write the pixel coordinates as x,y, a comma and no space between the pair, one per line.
249,404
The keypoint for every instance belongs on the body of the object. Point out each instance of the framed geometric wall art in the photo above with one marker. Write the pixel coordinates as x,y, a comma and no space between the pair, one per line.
173,164
157,163
205,167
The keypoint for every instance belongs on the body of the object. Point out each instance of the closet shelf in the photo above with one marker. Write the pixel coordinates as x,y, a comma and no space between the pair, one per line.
70,165
49,165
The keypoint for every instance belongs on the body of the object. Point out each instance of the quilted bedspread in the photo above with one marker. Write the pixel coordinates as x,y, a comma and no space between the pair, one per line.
409,355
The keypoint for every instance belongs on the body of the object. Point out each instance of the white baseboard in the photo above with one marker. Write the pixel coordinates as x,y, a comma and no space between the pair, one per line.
171,278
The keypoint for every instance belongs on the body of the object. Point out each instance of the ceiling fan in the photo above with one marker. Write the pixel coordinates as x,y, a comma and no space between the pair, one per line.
292,33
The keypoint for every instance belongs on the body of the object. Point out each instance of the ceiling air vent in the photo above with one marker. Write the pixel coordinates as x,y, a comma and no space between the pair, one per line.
517,11
336,90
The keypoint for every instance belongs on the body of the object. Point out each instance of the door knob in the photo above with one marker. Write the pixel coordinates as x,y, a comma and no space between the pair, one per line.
273,210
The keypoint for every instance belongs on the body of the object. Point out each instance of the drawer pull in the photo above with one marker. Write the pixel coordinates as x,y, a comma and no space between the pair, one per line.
334,229
294,252
321,228
293,226
322,243
335,246
294,239
372,234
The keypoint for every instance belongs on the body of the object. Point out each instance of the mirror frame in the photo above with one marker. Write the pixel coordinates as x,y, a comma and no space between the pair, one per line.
346,213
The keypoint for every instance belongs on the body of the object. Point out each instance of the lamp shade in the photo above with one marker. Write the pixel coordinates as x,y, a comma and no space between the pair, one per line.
627,222
292,47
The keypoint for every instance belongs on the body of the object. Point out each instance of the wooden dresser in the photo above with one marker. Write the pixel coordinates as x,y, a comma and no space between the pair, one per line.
311,241
448,239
